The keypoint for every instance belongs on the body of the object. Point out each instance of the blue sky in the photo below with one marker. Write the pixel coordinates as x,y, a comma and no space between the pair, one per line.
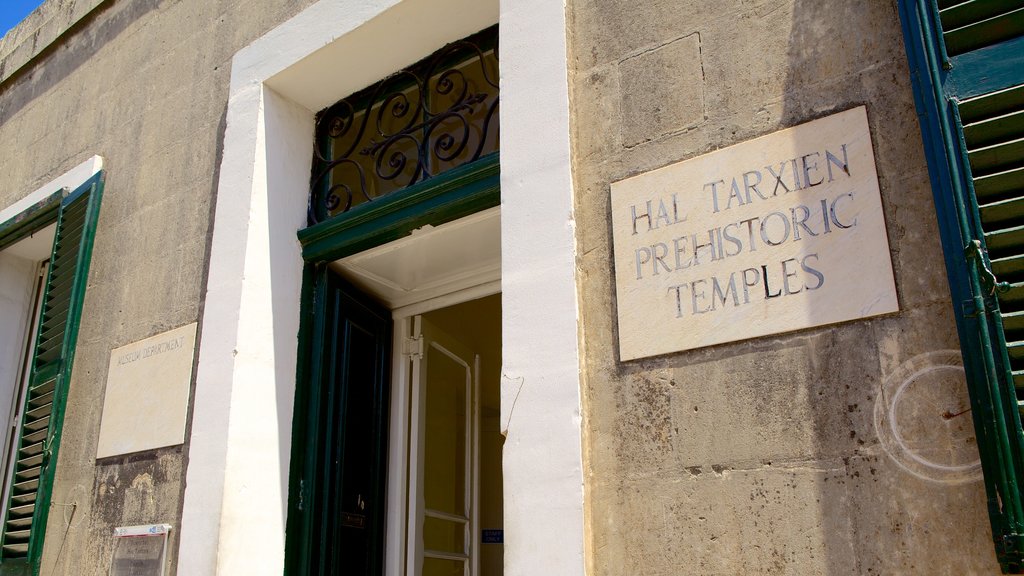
14,11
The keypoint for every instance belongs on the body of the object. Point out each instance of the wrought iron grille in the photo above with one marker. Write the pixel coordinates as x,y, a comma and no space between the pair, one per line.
435,115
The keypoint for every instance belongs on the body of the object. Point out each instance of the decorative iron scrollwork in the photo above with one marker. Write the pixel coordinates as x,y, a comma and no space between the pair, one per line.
438,114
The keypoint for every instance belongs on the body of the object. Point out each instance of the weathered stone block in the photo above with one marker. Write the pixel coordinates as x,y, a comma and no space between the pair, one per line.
662,90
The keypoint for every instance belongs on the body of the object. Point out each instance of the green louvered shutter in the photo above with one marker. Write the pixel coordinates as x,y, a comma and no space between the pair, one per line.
993,137
25,512
967,65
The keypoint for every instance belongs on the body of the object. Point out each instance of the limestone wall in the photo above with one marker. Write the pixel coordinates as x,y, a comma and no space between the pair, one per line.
775,455
144,84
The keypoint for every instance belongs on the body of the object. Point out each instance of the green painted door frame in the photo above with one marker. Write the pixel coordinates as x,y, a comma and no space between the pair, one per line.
457,193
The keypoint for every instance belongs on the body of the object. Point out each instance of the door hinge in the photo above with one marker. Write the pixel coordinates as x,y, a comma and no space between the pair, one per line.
970,309
413,347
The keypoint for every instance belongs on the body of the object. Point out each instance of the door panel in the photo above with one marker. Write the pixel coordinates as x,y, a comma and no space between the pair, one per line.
348,406
445,428
443,459
442,567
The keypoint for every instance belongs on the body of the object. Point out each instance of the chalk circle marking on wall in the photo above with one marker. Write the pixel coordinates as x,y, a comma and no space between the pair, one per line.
923,421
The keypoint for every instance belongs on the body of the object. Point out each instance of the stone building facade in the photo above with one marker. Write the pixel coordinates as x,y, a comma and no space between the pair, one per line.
835,448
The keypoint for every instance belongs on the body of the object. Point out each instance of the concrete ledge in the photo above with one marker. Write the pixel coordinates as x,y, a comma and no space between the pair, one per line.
44,26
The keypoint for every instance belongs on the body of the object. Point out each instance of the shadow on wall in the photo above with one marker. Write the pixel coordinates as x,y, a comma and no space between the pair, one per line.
76,46
898,489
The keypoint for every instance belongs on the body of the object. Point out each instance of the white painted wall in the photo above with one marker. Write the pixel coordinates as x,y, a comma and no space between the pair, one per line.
17,281
236,492
540,391
237,478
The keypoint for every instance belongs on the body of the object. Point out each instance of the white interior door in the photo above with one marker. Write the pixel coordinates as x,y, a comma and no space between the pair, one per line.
443,460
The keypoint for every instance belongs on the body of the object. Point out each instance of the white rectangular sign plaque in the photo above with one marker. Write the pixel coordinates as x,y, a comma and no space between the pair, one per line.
147,393
775,234
140,550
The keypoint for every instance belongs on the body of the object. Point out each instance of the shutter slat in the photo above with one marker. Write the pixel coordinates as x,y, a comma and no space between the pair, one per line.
989,105
60,287
64,258
50,348
31,461
52,329
985,32
965,13
74,224
997,157
15,550
994,186
44,388
66,250
18,535
998,129
22,511
27,485
1002,211
39,424
1005,239
1016,350
1018,379
1008,268
1013,321
28,473
25,498
36,436
36,400
31,450
54,311
47,356
37,413
19,523
1015,295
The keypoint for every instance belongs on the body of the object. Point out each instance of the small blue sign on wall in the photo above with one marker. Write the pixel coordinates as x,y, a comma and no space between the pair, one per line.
492,536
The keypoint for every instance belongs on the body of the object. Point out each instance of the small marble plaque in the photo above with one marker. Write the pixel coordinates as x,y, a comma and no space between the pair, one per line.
140,550
147,393
771,235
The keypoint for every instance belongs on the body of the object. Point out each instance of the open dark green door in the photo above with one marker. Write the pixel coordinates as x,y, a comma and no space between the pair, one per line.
337,525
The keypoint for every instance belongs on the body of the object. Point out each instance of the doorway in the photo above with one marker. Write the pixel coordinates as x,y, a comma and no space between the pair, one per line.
451,374
399,469
243,372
